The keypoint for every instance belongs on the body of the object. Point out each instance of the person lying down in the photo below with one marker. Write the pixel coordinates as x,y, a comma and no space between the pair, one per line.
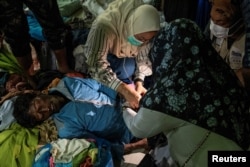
80,108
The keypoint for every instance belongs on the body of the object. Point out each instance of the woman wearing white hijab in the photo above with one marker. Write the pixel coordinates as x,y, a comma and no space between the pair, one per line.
118,44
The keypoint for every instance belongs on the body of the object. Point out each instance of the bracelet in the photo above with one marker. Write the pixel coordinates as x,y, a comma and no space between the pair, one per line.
138,80
125,106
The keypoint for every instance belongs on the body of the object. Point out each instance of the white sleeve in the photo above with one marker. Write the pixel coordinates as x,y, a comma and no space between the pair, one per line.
143,64
147,123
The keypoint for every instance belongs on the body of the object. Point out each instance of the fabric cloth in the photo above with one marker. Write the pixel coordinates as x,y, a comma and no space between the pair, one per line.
35,30
195,97
64,150
86,90
18,146
6,117
207,73
47,131
13,22
68,7
183,137
94,108
3,79
123,67
44,159
111,29
42,156
94,111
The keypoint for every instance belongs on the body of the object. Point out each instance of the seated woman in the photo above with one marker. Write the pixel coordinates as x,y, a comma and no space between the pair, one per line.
195,99
81,108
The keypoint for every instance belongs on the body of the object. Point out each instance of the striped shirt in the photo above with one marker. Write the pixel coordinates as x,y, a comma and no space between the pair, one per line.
102,41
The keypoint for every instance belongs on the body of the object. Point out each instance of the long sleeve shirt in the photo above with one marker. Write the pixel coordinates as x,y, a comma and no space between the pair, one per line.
187,142
102,41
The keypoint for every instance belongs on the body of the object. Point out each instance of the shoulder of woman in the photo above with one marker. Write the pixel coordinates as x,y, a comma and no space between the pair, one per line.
102,27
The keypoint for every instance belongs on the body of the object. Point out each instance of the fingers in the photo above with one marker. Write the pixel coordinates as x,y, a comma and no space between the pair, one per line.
130,94
140,89
134,99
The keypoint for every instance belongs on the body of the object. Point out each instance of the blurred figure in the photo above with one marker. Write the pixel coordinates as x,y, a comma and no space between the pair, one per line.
13,24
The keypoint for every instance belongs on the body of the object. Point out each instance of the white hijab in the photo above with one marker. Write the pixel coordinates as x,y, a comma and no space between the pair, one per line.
128,17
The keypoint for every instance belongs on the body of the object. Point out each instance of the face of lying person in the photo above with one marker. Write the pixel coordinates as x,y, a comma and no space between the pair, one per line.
43,106
145,37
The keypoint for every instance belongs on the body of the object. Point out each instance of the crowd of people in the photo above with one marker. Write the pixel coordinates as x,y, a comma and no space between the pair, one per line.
198,95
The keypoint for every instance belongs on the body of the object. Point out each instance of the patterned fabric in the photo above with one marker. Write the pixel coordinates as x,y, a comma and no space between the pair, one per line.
193,83
47,131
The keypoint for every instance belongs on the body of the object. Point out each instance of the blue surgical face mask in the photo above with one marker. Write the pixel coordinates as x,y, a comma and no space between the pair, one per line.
133,41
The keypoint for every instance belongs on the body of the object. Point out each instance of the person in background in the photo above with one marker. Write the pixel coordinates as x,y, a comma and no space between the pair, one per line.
117,47
226,30
196,100
13,24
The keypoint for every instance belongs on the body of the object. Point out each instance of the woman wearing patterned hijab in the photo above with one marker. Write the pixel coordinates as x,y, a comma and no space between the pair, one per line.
117,47
196,100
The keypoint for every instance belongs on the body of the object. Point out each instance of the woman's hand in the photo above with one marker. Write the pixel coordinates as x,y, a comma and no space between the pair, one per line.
130,95
140,88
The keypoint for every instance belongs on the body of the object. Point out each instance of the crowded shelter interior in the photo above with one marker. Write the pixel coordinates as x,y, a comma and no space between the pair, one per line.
124,83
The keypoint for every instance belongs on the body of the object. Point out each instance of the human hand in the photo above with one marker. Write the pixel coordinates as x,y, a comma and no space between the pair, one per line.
140,88
130,95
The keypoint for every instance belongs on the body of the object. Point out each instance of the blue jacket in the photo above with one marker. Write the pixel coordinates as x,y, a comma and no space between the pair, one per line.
93,110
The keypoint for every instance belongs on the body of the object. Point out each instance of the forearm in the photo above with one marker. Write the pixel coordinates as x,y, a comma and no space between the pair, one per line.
96,55
143,64
144,123
147,123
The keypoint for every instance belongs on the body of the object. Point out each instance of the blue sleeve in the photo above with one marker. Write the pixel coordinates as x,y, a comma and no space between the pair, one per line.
78,119
83,89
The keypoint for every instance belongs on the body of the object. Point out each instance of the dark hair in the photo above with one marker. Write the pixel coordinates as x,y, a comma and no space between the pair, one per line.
21,111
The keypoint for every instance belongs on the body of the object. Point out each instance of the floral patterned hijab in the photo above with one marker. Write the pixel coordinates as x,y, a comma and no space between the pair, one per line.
193,83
